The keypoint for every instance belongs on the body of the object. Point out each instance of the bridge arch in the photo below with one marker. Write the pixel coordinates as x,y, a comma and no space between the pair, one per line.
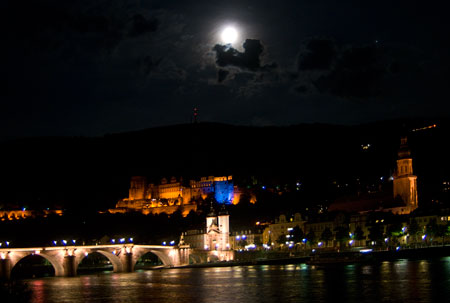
195,259
109,254
145,256
138,253
52,258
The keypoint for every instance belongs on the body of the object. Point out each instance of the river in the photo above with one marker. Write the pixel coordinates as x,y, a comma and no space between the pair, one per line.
389,281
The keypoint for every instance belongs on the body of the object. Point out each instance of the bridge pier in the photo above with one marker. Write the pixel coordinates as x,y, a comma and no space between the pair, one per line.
5,269
70,266
183,256
127,262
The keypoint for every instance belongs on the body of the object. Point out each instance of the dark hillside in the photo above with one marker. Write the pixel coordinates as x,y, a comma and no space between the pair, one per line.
80,172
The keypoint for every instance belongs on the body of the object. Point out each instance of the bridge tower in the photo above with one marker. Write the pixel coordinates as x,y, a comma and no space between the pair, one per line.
224,228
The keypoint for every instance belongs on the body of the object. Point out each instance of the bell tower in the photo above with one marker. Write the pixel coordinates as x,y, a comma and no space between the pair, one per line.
405,183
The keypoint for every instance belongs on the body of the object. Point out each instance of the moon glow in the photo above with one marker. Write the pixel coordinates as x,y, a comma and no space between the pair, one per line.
229,35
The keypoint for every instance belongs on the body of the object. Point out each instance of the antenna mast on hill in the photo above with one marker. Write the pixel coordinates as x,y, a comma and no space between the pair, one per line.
195,116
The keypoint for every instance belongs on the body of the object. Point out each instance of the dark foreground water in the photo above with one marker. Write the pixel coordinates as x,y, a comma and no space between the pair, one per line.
392,281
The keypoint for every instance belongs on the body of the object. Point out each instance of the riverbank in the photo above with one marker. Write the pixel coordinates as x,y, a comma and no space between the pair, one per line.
369,257
412,253
280,261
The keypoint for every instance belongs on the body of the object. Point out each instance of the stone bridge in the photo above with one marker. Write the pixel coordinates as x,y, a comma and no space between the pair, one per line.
65,259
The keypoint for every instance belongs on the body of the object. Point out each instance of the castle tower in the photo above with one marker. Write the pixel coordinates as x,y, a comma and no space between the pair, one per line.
137,188
405,183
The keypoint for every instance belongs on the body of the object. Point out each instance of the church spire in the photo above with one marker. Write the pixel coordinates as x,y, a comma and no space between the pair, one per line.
404,152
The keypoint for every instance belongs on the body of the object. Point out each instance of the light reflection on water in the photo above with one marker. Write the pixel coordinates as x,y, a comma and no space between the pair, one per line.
394,281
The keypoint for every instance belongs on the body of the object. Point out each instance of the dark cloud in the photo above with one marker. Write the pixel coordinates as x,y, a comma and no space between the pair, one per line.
51,25
141,25
319,55
353,71
358,73
148,64
221,75
249,59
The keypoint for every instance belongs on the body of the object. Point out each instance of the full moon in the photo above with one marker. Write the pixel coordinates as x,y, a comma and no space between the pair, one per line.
229,35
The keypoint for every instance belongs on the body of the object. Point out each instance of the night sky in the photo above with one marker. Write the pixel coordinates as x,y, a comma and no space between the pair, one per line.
92,67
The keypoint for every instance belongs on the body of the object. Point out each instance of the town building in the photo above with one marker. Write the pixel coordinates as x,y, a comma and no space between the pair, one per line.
247,239
278,233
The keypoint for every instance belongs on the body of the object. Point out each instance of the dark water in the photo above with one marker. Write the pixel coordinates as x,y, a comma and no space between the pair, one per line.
393,281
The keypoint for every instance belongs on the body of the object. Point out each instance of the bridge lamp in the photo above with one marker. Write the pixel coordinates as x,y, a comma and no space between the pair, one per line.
74,241
172,242
122,240
86,253
64,242
1,244
54,242
131,240
164,243
113,240
7,243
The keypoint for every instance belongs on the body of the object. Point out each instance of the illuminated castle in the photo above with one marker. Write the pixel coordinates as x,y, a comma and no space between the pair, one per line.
170,196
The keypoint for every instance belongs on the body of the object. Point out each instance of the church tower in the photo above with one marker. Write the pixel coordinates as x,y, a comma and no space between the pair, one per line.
405,183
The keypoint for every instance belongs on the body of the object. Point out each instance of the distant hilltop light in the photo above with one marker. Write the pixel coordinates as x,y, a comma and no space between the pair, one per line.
365,146
424,128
